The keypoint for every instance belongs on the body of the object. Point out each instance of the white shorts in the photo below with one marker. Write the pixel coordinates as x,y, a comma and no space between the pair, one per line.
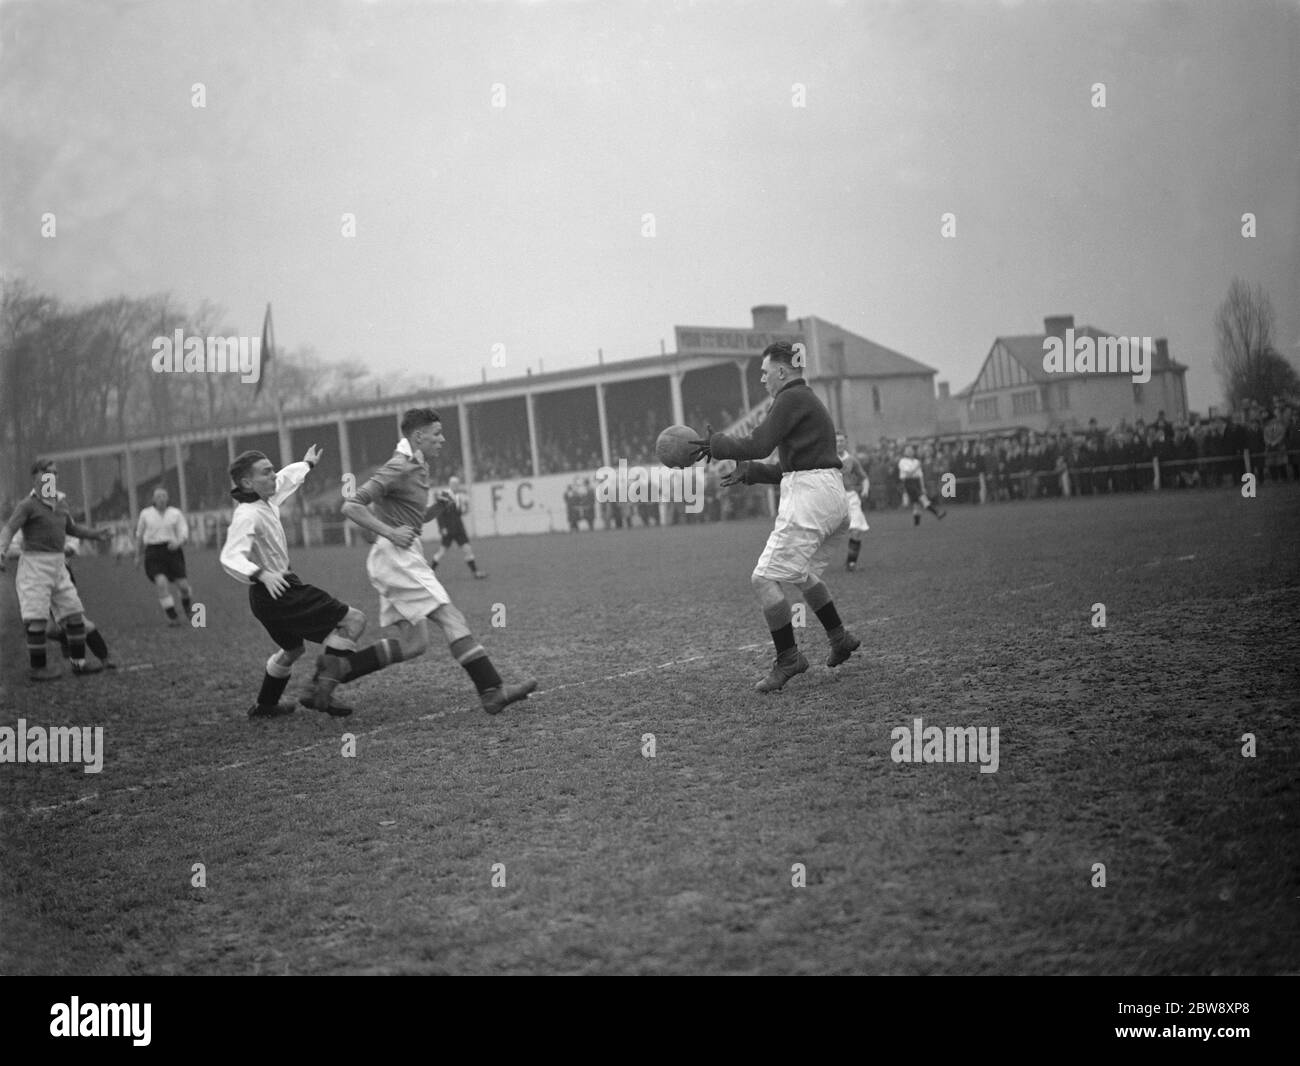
857,520
813,510
44,587
407,586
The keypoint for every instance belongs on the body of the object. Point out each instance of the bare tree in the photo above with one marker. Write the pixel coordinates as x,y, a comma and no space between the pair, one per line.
1249,364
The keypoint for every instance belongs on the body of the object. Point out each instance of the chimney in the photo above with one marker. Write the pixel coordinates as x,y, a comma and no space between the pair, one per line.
1056,325
769,316
943,390
1162,353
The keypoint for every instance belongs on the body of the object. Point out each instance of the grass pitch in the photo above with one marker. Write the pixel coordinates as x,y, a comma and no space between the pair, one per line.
1120,746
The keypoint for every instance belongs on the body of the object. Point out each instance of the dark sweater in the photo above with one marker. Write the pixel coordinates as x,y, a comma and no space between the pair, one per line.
798,426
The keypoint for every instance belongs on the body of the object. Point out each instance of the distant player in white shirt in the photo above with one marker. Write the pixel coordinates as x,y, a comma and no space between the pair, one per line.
856,487
160,536
910,474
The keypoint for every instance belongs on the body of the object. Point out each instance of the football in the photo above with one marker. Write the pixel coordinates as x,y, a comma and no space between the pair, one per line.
674,447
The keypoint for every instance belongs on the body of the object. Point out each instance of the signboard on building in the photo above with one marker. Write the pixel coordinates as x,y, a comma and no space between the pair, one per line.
694,341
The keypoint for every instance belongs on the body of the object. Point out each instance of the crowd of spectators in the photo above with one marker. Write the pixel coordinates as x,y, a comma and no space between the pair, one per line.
1124,458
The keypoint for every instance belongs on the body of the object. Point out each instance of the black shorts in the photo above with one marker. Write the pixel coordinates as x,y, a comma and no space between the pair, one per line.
914,489
303,612
456,536
160,559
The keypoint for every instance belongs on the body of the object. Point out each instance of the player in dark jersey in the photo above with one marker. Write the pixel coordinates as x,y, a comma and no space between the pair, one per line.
393,505
813,509
43,583
449,509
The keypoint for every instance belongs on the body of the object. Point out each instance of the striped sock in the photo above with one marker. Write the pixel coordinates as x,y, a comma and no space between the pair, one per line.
36,648
374,657
472,656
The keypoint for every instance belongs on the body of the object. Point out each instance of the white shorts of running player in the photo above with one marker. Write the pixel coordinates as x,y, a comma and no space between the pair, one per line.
813,511
43,585
407,586
857,520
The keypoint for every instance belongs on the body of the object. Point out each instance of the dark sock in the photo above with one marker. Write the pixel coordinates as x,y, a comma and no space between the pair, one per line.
932,509
76,640
185,604
271,691
171,612
855,546
482,673
473,566
829,617
374,657
36,649
783,638
96,643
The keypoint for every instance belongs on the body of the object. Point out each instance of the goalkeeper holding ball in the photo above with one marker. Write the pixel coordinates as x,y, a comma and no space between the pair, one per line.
812,511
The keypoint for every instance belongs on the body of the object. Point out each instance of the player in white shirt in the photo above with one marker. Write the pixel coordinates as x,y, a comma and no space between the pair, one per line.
160,535
910,474
856,487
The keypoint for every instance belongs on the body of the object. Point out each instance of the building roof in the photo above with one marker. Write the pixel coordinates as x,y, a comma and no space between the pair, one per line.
1027,350
866,358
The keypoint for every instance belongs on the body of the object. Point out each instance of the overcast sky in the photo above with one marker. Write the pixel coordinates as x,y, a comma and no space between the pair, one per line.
522,225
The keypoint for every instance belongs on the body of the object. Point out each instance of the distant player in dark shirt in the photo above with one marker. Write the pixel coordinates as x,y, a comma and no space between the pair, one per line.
813,508
449,509
856,487
43,583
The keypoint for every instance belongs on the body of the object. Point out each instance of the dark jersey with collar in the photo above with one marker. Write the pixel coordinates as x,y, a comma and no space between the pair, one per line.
398,492
797,425
45,525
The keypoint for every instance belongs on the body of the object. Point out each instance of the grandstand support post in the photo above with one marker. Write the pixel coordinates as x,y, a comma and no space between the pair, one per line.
131,504
230,448
604,424
1155,472
182,487
744,385
85,491
345,457
1245,458
532,433
466,452
984,488
675,388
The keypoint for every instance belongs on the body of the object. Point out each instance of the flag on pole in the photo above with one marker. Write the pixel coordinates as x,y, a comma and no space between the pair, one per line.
268,349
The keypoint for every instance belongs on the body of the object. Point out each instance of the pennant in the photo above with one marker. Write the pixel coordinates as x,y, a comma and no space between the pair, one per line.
268,349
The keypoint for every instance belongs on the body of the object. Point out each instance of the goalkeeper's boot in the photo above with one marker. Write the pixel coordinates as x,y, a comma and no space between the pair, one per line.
786,665
842,646
496,700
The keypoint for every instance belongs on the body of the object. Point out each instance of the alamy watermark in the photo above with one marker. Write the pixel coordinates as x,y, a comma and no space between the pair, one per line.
179,354
655,484
1098,355
59,743
102,1019
932,743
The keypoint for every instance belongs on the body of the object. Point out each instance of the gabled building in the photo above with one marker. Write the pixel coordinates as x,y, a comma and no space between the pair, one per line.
1013,389
871,391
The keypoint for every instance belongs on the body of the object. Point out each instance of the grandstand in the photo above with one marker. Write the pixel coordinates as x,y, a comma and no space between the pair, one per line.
515,443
